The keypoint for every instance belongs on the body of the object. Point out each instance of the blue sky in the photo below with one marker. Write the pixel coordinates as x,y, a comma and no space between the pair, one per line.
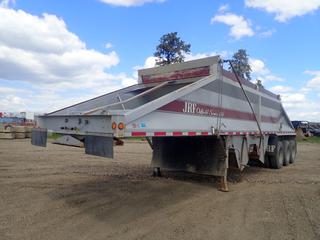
55,53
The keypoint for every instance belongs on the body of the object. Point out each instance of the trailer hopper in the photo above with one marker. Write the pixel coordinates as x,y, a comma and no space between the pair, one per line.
197,116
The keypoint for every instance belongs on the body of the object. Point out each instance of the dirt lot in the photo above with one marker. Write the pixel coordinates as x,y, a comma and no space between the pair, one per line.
60,193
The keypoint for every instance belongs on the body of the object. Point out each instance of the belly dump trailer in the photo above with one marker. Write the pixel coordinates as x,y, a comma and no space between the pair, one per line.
196,116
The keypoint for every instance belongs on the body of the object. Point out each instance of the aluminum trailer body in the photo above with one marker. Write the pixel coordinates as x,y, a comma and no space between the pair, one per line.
197,116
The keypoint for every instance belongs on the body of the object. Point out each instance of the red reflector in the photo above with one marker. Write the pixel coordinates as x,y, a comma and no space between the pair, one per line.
121,126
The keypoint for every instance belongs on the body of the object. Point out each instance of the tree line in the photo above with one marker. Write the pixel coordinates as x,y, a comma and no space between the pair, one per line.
172,49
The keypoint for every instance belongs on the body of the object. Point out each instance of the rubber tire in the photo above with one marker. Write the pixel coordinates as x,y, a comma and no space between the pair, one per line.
293,151
156,172
286,152
267,161
276,161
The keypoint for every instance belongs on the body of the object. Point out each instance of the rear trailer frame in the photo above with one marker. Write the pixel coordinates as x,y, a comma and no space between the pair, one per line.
197,117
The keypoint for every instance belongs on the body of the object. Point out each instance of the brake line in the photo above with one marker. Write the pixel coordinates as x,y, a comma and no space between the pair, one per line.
245,94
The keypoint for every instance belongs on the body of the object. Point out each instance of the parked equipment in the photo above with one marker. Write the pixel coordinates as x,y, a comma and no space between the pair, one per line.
197,116
308,128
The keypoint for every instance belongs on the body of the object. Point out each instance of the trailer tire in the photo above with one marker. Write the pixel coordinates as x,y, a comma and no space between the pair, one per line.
276,161
267,161
293,151
286,152
156,172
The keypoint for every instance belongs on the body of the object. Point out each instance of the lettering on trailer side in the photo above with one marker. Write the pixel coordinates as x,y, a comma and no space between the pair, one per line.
213,111
189,107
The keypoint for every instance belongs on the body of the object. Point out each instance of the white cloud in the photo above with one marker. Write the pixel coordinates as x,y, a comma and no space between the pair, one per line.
192,56
129,3
300,104
9,90
300,107
108,45
314,83
41,50
267,33
150,62
44,66
297,104
281,89
12,103
126,82
258,66
240,27
223,8
285,9
6,3
261,72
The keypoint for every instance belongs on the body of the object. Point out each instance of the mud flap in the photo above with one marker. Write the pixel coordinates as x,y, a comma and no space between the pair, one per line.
39,137
99,146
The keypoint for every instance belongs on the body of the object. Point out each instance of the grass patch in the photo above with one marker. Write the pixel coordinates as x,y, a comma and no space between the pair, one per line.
54,136
310,140
136,138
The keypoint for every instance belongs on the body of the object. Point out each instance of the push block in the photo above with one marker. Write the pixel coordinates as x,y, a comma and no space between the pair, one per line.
223,184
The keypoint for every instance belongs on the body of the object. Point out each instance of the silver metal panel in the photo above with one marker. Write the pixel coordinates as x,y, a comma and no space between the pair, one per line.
210,61
151,106
78,125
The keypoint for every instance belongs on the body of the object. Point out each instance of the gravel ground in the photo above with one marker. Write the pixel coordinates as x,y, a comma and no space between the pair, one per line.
58,192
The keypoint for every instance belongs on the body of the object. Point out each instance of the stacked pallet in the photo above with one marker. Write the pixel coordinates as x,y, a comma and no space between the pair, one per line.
12,132
6,132
20,132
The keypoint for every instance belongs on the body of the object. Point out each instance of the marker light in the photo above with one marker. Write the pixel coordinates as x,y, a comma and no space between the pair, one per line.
121,126
114,126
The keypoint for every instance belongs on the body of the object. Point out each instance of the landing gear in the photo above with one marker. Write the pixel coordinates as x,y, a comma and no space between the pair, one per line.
223,184
156,172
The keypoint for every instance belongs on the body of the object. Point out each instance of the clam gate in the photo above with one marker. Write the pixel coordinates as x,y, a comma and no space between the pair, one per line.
196,116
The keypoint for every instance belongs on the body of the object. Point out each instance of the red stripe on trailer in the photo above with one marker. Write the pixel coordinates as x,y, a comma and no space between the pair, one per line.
256,133
159,134
177,134
231,76
177,75
138,134
247,83
210,111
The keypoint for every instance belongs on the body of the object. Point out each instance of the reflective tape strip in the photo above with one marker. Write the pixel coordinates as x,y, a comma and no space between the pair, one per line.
191,133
